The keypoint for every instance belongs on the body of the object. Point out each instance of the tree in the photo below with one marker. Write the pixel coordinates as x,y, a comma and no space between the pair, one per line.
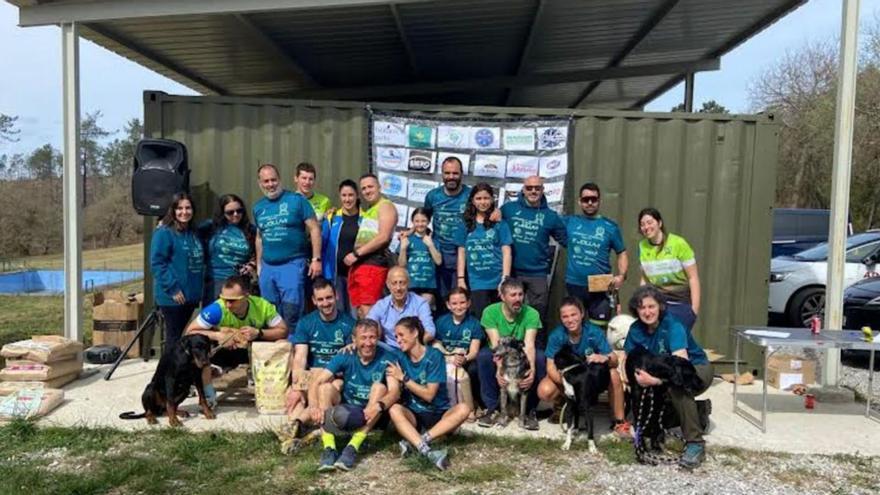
8,132
90,149
118,155
710,106
44,162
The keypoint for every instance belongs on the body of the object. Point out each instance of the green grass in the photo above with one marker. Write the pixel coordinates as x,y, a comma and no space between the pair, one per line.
129,257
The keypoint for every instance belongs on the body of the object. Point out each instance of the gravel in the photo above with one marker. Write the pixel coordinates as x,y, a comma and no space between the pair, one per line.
856,378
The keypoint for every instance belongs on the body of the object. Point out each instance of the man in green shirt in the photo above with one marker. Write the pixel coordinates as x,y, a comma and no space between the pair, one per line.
513,319
233,321
305,184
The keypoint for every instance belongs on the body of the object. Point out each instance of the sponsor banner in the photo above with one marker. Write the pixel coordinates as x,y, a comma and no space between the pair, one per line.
554,165
490,165
391,158
418,189
453,137
521,167
465,159
519,139
393,184
552,138
420,136
385,132
421,161
553,191
402,214
485,138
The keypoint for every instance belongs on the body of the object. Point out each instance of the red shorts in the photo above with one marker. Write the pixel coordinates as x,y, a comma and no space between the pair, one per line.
366,283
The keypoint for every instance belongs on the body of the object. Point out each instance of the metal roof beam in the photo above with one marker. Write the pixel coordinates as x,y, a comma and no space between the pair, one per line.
188,78
502,82
644,30
263,39
105,10
527,46
410,55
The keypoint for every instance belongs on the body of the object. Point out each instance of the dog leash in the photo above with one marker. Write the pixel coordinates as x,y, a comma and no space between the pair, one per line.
640,432
222,344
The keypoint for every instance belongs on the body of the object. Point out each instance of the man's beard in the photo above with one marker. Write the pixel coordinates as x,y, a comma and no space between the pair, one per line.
452,184
272,195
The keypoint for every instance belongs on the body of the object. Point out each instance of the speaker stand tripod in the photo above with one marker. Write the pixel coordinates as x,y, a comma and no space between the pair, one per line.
148,328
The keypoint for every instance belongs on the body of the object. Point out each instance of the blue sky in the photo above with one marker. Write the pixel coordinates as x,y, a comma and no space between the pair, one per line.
31,69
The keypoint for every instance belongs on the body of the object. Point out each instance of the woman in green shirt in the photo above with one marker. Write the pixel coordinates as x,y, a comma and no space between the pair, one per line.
668,263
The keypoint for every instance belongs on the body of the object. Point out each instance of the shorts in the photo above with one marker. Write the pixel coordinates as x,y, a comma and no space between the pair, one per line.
596,303
426,420
366,283
230,358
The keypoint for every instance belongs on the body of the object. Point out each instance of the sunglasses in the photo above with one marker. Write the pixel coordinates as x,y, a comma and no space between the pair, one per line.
237,211
589,199
533,188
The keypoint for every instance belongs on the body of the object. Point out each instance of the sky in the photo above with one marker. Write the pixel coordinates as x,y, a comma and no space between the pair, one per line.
30,64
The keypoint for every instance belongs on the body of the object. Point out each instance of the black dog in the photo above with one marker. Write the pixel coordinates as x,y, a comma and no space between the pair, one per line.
179,369
582,383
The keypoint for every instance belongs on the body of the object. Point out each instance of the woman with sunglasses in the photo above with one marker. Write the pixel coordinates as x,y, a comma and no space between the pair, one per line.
484,254
177,264
229,242
668,263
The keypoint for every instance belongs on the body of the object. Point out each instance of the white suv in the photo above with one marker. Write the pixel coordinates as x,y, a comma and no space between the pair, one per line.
797,282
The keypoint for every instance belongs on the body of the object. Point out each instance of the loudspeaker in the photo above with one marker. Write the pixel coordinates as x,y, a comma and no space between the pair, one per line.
160,172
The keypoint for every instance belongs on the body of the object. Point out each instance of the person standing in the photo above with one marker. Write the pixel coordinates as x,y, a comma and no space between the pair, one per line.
419,256
305,178
532,223
177,263
368,262
339,231
229,240
668,263
282,219
590,240
447,204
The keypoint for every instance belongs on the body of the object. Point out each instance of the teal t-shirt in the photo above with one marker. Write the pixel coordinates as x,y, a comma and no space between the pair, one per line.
447,216
590,242
430,369
282,226
358,377
531,228
420,265
458,335
670,336
482,249
324,338
227,247
592,341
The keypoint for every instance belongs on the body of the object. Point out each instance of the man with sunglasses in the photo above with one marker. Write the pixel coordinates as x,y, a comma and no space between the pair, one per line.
233,321
590,240
532,223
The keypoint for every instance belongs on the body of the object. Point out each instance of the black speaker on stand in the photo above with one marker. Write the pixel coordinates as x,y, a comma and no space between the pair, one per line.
160,171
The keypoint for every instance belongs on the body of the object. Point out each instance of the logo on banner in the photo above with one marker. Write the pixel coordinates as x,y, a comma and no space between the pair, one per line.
454,137
391,157
421,136
389,133
421,161
552,138
553,164
484,138
393,185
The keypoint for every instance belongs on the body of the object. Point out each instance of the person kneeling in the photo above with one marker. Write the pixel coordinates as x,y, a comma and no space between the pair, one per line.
422,371
366,395
587,340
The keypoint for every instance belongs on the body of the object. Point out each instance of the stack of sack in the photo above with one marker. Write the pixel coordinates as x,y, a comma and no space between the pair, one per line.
35,370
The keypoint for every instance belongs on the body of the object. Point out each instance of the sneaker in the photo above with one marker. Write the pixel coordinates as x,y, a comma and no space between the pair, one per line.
623,430
489,419
346,459
531,422
406,448
328,458
694,455
439,458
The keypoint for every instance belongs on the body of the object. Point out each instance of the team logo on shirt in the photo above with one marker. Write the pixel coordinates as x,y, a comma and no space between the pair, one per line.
338,337
282,209
377,376
490,234
589,351
466,334
423,377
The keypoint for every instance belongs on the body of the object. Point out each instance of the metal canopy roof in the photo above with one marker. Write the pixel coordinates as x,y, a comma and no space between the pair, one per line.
540,53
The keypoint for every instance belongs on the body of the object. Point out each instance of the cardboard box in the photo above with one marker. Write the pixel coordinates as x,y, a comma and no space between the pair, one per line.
785,370
115,319
599,283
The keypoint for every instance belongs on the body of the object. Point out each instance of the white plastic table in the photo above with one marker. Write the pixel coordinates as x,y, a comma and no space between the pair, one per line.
802,338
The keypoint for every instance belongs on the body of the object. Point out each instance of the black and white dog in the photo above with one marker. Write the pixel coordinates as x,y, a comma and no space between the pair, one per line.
582,383
514,366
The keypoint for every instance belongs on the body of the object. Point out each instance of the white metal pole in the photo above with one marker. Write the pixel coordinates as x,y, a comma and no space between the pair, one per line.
73,293
840,179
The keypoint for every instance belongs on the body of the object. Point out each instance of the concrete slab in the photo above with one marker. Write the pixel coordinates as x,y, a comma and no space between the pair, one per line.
827,429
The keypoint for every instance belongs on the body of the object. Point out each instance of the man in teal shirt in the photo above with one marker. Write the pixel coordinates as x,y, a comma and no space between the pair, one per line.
447,203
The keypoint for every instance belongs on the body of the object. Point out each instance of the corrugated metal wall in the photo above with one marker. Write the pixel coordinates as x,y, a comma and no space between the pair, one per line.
712,178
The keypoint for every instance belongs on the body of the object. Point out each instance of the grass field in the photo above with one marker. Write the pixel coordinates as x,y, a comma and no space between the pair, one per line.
130,257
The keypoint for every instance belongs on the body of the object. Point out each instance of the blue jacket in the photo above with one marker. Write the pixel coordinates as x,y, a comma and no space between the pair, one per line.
531,228
177,262
331,226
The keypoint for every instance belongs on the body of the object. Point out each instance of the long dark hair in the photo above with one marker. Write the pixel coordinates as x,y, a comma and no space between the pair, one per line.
170,219
219,221
655,214
470,211
413,324
426,212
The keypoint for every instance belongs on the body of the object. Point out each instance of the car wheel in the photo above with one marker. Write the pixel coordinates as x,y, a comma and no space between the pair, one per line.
804,305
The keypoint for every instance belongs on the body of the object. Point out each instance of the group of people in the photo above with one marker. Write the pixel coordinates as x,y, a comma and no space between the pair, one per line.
465,276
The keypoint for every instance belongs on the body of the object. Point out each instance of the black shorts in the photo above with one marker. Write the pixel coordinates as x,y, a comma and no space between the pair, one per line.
230,358
426,420
596,303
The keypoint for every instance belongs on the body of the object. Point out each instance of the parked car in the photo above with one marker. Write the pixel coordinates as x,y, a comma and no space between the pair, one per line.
861,304
797,282
797,229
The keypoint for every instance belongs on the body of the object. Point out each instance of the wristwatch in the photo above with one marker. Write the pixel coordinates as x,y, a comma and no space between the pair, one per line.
260,334
406,379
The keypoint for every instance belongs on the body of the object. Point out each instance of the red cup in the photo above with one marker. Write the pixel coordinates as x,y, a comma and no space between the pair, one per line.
809,401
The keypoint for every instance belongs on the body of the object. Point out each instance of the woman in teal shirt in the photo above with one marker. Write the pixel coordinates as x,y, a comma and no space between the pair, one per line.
483,249
229,243
420,256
